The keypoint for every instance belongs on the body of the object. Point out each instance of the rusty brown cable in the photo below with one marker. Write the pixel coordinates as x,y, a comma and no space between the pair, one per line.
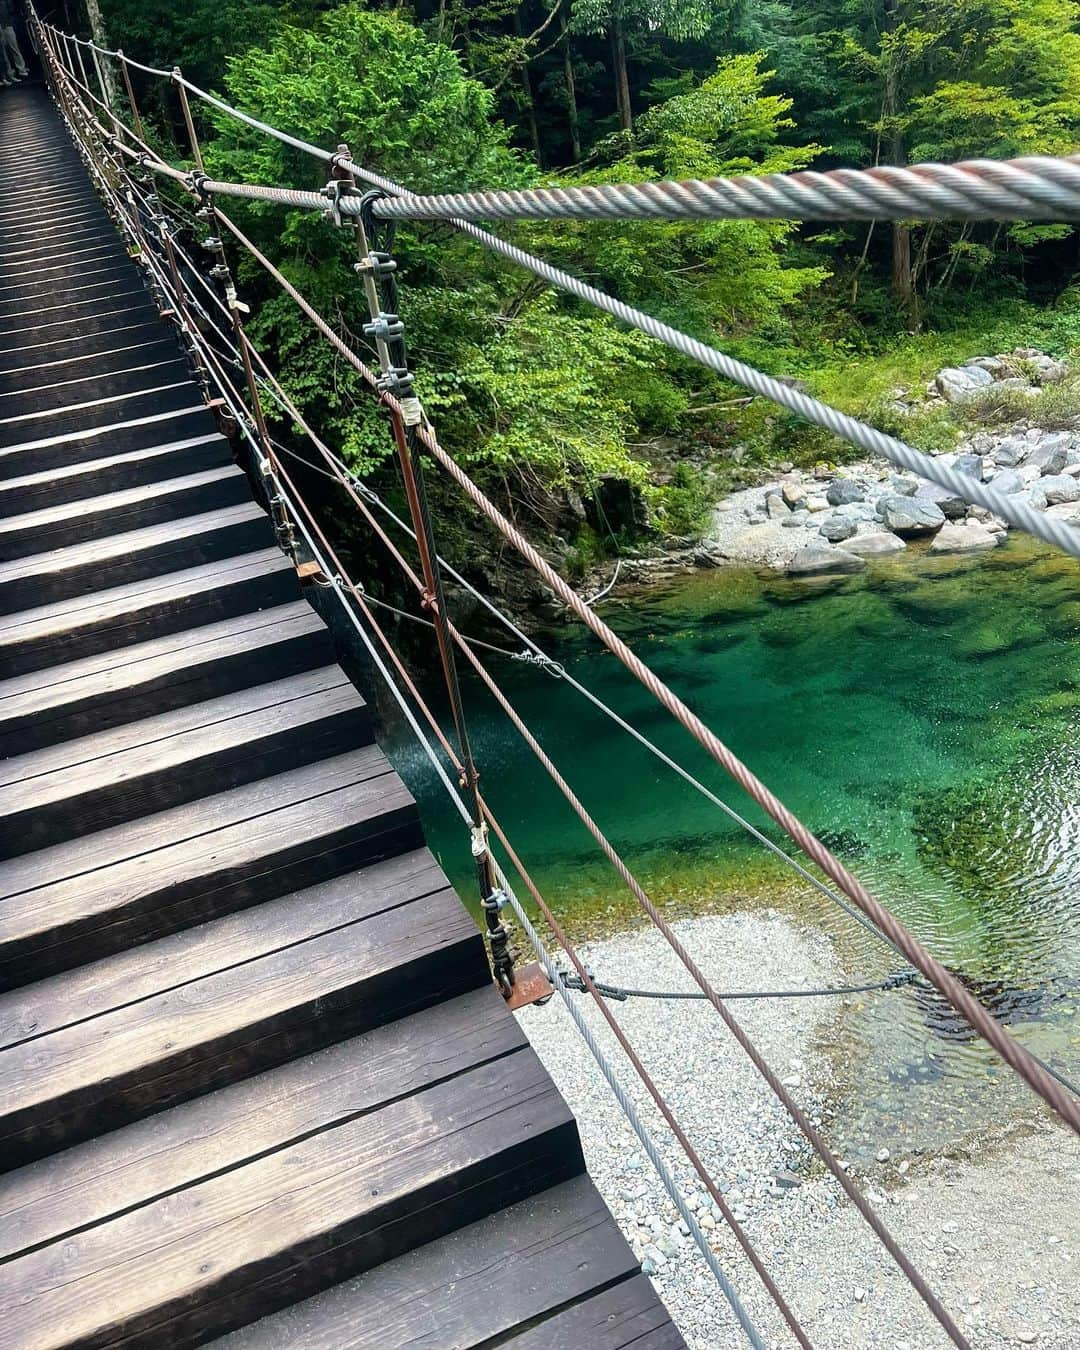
797,1115
1014,1054
654,1092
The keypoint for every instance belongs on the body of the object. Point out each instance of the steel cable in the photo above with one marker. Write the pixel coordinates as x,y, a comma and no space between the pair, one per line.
1038,1076
1033,188
1009,508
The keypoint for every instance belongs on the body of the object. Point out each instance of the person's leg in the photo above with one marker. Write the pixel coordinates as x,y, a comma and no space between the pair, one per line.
12,51
7,75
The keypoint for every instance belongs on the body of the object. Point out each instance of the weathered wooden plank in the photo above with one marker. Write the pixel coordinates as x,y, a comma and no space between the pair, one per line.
93,332
626,1317
204,1260
164,730
143,971
85,414
467,1290
28,293
57,267
63,524
235,865
88,1184
98,781
83,347
110,688
95,477
137,433
82,625
152,835
133,556
93,1076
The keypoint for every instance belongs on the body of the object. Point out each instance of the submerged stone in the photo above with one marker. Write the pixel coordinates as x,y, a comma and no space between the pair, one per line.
815,559
966,538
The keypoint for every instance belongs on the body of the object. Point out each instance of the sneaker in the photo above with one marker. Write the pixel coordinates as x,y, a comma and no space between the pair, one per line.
22,74
4,81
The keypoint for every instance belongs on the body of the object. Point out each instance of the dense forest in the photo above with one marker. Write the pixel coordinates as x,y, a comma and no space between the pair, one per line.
544,398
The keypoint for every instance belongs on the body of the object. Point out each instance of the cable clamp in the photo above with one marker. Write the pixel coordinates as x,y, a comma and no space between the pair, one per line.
334,191
478,840
384,327
412,410
496,901
377,262
234,303
541,659
396,381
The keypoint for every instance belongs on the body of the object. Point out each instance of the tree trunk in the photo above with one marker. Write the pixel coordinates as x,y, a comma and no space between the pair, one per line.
571,91
103,63
622,75
902,282
527,91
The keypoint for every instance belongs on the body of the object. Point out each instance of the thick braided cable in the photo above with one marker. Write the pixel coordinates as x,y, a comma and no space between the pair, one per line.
1013,508
1015,511
1033,188
1019,513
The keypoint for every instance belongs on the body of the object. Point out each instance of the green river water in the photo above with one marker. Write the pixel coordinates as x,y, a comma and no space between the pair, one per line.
924,717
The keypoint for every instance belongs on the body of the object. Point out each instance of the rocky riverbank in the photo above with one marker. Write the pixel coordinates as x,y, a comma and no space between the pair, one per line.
992,1225
829,521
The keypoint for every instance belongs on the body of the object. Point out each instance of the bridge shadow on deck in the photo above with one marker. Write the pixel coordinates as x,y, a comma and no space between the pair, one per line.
255,1082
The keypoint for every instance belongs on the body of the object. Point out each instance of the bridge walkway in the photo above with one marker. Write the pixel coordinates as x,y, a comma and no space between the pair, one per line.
255,1081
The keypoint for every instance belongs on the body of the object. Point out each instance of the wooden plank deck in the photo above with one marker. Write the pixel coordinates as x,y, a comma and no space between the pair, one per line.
256,1086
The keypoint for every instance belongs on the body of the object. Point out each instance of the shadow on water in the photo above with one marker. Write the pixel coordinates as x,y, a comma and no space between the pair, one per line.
923,716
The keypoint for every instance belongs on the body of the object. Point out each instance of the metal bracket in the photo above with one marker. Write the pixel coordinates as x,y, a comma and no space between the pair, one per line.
531,985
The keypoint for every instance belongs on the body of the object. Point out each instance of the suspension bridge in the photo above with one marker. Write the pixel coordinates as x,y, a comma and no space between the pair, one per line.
260,1081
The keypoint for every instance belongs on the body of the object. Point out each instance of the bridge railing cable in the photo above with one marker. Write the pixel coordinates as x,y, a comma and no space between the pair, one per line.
955,993
870,908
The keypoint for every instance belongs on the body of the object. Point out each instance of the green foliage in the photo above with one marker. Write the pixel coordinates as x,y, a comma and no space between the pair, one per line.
541,395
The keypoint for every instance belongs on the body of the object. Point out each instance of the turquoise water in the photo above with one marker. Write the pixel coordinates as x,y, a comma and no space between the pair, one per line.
924,717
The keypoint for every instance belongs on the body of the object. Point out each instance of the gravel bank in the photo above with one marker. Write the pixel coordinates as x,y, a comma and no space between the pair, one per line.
995,1232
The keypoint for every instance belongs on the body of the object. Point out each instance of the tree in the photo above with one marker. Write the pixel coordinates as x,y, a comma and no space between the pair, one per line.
941,79
673,18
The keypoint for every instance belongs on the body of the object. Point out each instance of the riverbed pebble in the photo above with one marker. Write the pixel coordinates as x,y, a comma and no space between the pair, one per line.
981,1229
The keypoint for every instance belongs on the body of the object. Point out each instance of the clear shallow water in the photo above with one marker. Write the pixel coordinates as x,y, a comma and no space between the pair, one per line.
924,717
